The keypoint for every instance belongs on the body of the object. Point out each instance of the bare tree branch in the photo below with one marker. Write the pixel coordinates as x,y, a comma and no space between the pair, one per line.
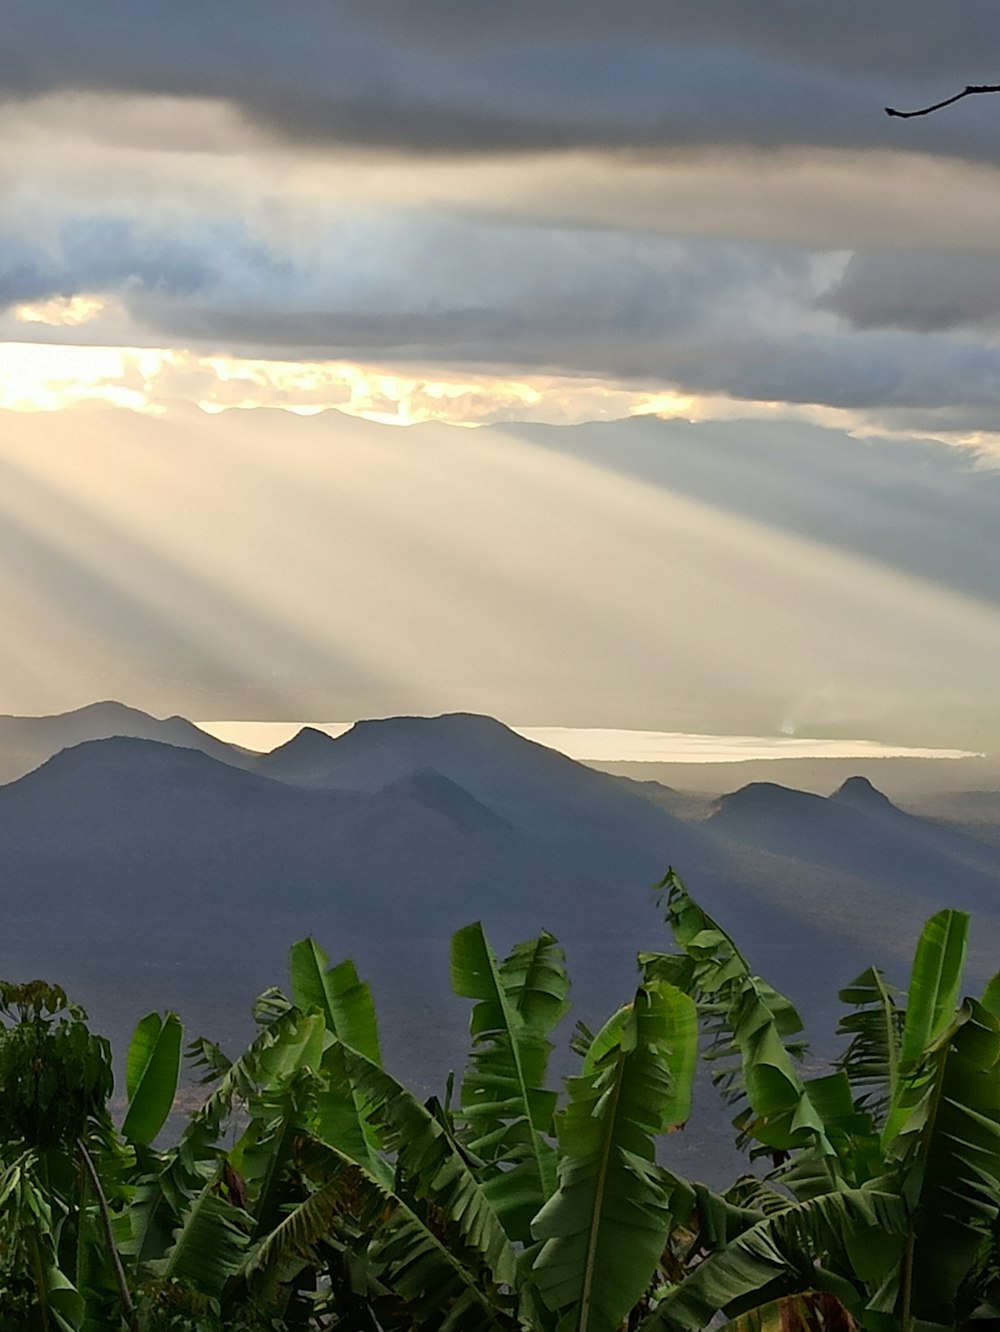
926,110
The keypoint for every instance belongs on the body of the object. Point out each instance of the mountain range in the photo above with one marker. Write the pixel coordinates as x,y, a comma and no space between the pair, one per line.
145,864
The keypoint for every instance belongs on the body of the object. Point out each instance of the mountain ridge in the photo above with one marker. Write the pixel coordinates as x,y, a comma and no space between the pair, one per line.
126,862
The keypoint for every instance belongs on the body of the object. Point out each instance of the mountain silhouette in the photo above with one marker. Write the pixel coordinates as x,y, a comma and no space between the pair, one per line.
581,821
26,742
859,793
856,868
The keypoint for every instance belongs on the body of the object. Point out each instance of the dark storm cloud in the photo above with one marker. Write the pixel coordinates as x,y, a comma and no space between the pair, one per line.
923,290
453,76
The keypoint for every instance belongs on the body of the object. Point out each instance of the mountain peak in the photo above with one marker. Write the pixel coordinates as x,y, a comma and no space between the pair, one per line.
304,741
758,796
859,793
108,710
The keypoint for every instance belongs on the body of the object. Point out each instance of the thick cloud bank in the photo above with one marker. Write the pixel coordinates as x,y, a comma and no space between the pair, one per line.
699,197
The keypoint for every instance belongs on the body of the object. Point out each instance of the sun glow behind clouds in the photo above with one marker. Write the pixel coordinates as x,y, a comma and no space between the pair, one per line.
37,377
51,376
61,311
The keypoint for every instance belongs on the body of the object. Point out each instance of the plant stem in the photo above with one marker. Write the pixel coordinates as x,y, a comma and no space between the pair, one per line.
116,1262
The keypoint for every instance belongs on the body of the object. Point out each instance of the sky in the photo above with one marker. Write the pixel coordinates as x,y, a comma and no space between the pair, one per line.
448,214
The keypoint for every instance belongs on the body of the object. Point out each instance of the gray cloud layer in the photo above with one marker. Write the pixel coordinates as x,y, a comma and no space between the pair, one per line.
453,77
919,290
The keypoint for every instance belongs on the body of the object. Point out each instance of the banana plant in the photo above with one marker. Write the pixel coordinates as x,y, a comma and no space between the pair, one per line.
504,1210
312,1185
895,1187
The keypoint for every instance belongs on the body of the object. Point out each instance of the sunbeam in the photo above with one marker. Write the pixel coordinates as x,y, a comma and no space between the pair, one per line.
332,567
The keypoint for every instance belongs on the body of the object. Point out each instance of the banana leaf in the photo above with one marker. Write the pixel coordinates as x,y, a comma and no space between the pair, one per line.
749,1026
605,1229
344,1000
506,1111
798,1249
350,1021
151,1069
431,1172
946,1162
931,999
208,1245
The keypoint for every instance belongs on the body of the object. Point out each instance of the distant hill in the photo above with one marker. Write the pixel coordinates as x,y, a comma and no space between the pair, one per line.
859,831
916,783
26,742
123,824
857,867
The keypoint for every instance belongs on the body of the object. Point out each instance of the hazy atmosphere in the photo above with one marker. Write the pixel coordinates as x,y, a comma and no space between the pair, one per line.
451,215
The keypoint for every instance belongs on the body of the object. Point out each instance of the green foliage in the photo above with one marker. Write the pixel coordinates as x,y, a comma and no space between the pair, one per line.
312,1190
606,1226
56,1075
152,1068
506,1110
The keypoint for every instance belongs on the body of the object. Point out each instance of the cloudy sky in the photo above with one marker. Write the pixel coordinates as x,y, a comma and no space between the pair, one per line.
464,213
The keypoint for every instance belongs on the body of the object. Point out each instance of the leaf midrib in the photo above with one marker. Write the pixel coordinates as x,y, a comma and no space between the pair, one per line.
607,1145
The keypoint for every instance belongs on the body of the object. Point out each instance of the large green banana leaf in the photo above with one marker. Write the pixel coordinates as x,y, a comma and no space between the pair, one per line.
506,1109
151,1069
749,1026
343,999
164,1194
935,982
291,1040
431,1172
605,1229
871,1060
262,1158
946,1162
349,1016
208,1245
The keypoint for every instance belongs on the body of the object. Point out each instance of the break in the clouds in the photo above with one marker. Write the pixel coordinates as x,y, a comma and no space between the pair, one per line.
704,316
701,198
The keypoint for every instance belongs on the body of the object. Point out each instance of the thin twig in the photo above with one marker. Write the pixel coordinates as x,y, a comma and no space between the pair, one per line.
116,1262
969,91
